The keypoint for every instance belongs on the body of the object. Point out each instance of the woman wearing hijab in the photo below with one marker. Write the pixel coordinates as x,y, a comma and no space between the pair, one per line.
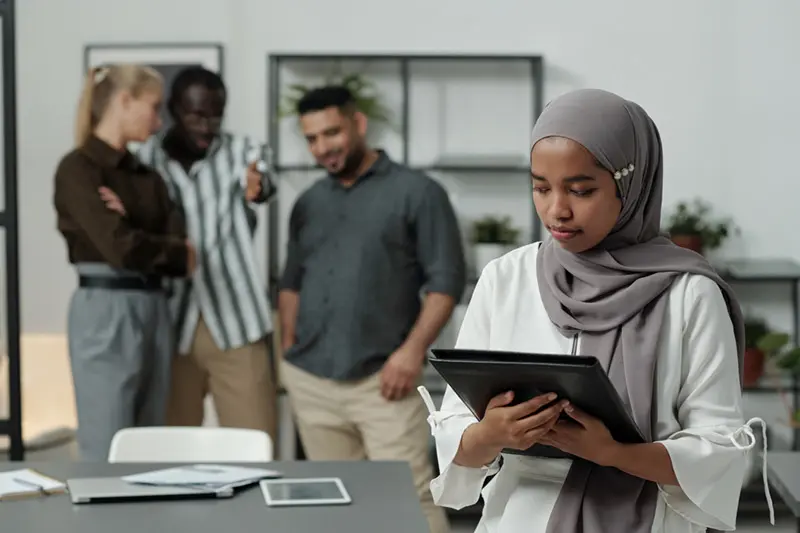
666,328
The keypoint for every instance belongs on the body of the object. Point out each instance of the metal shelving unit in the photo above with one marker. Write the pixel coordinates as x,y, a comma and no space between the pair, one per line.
9,224
274,83
534,64
785,272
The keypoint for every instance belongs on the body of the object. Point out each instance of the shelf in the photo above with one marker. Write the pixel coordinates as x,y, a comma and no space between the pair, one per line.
344,56
480,163
759,269
421,92
474,169
766,389
432,168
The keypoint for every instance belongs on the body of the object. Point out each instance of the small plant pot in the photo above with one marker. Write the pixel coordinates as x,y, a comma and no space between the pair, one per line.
753,366
690,242
486,252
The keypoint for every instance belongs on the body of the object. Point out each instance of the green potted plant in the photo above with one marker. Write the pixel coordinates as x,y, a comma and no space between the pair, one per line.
690,226
368,99
777,347
492,237
754,330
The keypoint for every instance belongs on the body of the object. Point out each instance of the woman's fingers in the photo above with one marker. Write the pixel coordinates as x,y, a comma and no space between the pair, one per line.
531,406
542,418
501,400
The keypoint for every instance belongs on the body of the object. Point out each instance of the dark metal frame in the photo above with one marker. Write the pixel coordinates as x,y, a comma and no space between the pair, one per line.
275,61
793,281
9,222
155,46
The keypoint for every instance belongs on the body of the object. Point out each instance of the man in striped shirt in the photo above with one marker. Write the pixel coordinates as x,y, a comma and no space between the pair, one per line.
222,315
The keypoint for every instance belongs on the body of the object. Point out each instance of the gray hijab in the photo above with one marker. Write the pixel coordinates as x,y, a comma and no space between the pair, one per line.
615,296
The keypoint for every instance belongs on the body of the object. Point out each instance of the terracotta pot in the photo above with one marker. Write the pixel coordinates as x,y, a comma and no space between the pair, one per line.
753,366
692,242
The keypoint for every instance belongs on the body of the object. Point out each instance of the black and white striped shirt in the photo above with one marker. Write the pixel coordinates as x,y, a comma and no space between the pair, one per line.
226,287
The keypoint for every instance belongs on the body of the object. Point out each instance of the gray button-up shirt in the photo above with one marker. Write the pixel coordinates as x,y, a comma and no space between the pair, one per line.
360,258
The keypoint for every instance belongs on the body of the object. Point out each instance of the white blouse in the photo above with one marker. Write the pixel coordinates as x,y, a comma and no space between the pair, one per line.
698,407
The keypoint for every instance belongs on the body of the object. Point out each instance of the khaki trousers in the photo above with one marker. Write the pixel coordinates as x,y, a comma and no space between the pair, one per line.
240,382
352,421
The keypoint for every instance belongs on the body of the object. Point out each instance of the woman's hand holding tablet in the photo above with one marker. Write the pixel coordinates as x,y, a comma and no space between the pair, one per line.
516,427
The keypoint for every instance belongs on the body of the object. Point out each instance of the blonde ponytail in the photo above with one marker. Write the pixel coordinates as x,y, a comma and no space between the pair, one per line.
101,83
84,122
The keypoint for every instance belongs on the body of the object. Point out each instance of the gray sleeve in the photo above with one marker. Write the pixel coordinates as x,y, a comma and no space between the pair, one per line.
292,277
439,248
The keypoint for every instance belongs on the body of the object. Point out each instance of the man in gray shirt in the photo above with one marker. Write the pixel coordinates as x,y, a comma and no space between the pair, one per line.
365,243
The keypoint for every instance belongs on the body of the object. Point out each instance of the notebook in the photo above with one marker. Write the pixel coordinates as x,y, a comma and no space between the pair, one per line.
476,376
27,483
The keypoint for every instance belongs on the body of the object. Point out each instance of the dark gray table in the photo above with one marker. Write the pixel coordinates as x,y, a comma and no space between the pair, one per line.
783,472
384,500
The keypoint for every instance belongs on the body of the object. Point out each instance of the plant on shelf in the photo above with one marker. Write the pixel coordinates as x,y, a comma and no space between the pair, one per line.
492,237
494,230
368,99
691,226
777,347
754,330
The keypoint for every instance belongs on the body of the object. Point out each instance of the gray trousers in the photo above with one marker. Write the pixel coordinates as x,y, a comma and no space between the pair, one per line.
120,349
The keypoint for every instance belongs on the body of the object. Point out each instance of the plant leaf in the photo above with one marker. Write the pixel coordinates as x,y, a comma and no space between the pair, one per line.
772,342
365,93
790,361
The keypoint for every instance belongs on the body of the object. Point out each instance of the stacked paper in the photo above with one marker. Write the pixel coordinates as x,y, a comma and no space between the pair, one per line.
203,475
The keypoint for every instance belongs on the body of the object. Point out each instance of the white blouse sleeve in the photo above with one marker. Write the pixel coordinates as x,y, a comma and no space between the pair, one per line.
458,486
709,453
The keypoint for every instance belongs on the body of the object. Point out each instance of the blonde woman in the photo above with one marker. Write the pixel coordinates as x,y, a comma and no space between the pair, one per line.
120,338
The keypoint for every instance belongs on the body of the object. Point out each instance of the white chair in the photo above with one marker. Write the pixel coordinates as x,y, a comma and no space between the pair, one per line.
198,444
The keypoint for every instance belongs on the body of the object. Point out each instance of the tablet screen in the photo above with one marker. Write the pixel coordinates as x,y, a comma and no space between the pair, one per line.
320,491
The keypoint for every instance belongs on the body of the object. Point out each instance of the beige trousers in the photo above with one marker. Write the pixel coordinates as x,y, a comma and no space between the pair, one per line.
240,382
352,421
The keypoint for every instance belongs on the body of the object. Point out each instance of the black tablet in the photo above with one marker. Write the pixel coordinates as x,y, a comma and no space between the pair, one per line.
476,376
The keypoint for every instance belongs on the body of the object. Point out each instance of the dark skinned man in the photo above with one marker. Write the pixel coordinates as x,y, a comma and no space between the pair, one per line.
221,315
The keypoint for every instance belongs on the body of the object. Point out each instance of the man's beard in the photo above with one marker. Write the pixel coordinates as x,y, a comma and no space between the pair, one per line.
351,164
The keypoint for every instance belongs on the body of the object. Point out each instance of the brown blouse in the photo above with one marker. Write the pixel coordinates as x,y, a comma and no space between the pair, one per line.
149,239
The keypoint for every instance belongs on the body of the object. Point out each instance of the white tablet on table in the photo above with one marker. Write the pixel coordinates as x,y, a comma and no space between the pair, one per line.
308,491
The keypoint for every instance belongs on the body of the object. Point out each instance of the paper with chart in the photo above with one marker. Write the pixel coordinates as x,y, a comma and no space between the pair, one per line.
206,475
27,482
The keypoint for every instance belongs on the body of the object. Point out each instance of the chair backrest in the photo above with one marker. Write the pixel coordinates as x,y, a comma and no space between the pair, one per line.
198,444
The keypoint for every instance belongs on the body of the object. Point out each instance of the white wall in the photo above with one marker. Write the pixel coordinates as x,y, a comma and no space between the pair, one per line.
718,76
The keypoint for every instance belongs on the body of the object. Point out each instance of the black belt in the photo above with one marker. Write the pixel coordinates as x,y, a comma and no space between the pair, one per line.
144,283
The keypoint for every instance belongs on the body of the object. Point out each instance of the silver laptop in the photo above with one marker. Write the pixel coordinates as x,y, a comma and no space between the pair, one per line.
113,489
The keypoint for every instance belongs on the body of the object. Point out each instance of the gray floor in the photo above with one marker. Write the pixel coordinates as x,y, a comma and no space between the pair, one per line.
749,524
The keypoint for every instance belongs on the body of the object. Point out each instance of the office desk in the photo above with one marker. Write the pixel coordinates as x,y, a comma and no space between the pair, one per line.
384,500
783,472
